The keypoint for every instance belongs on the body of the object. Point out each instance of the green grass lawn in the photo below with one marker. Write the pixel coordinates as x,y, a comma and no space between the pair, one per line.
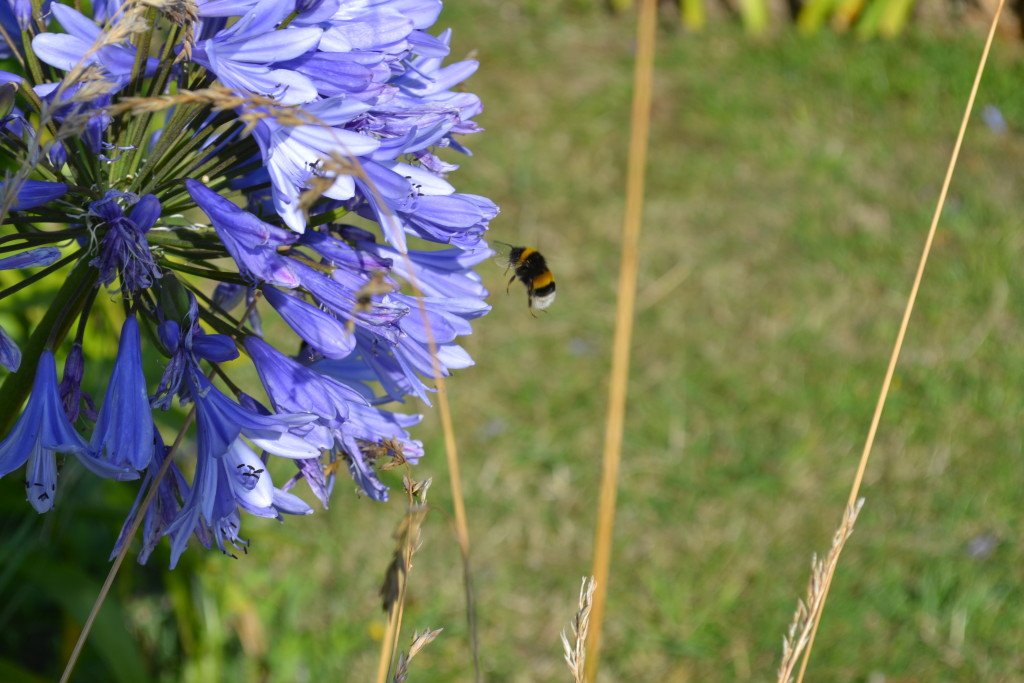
790,187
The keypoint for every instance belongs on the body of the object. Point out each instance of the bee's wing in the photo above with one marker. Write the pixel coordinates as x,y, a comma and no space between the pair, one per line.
503,253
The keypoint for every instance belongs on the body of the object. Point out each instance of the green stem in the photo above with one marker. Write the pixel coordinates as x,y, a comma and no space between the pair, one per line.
188,165
231,328
19,147
158,84
331,216
33,99
35,219
135,129
194,254
35,67
217,275
39,237
171,240
84,162
172,137
217,165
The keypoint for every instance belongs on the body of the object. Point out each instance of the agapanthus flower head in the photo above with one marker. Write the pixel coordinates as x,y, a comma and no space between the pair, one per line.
192,187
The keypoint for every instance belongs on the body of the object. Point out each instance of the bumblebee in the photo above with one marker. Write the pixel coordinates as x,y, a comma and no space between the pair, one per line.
531,269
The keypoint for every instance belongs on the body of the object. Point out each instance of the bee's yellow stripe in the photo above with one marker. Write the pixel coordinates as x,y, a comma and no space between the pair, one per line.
543,280
526,253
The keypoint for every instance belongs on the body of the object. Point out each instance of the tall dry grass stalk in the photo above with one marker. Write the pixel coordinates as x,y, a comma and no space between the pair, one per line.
452,458
419,641
115,566
829,573
397,575
576,651
800,629
461,524
643,75
394,589
396,578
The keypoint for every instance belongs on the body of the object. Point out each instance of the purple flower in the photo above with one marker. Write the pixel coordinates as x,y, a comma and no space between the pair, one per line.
241,55
251,242
41,432
228,296
295,388
70,389
33,193
124,429
294,155
337,295
32,258
166,506
222,462
124,248
362,76
15,17
372,431
10,354
250,485
318,329
188,345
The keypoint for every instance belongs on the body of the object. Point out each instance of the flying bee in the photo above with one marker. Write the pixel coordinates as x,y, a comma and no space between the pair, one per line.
532,270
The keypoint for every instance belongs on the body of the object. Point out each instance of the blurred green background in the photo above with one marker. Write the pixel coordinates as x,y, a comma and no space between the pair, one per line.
790,185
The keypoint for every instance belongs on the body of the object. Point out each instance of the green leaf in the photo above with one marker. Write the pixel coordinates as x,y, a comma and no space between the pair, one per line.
12,672
754,14
894,16
109,638
693,14
846,13
813,14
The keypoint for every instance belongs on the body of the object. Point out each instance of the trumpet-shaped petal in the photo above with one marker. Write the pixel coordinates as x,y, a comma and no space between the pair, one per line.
124,428
41,432
159,516
33,193
321,331
41,256
251,242
295,388
78,46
